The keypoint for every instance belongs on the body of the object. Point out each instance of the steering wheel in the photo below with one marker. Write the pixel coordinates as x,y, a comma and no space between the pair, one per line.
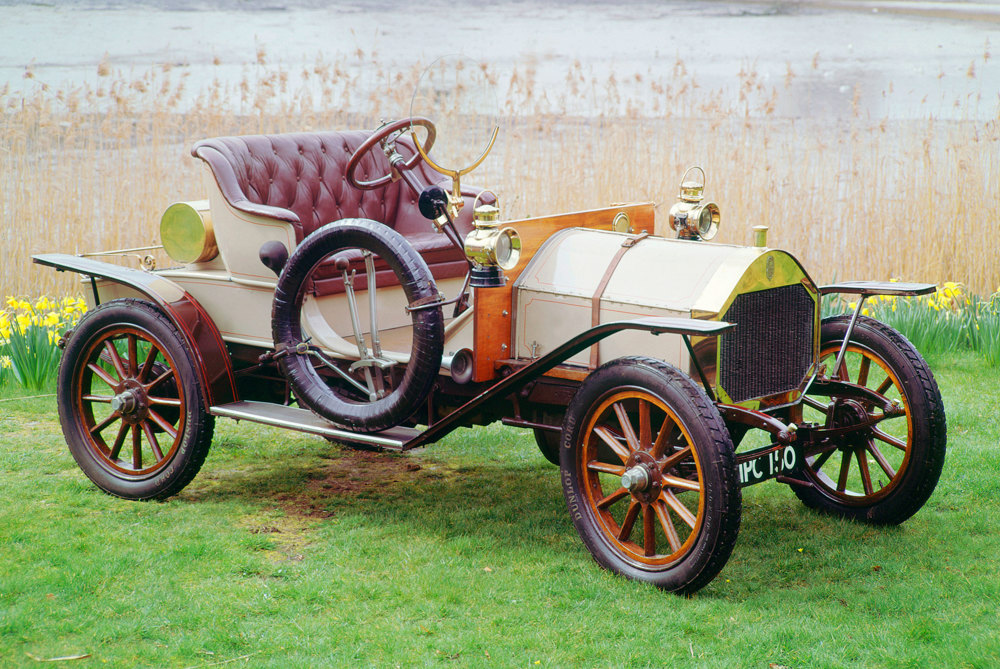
380,135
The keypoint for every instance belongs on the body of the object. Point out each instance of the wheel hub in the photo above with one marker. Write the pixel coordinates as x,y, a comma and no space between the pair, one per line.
636,479
125,402
642,477
130,401
848,413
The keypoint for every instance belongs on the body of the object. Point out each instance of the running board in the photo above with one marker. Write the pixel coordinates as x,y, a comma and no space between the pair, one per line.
304,420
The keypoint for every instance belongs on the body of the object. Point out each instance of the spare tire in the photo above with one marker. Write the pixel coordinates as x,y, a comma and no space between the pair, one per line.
326,394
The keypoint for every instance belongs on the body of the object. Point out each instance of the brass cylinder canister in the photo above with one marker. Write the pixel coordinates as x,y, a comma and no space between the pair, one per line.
186,232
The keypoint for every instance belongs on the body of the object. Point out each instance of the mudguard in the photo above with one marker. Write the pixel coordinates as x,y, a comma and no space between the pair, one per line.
187,315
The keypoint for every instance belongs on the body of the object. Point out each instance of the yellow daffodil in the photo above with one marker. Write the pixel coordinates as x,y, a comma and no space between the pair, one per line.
44,304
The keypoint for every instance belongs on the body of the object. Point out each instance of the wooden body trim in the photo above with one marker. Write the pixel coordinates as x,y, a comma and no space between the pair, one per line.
492,325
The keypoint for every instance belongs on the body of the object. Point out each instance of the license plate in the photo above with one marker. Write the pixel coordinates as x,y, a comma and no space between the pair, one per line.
766,463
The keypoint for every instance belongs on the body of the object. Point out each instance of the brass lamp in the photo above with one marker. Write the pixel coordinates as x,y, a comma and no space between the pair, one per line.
690,217
490,248
186,232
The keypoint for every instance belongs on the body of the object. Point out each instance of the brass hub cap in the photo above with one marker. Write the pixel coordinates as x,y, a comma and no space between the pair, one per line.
642,477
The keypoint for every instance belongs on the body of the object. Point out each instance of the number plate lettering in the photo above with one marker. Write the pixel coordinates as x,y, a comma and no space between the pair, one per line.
766,463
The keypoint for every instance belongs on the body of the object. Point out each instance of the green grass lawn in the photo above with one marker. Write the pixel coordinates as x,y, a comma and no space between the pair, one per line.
290,551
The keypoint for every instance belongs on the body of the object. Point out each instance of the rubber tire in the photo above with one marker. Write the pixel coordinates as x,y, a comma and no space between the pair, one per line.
548,443
172,475
930,432
723,496
428,325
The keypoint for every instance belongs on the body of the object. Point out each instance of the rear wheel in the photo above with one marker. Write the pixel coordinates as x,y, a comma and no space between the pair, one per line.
649,475
548,444
131,402
883,473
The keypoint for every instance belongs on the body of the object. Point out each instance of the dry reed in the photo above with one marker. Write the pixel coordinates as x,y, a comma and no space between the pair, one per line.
92,167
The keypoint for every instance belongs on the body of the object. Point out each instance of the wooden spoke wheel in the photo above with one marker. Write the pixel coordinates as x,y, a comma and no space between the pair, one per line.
548,444
649,475
131,403
885,470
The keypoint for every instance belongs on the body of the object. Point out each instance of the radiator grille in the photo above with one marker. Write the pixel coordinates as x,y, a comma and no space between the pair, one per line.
770,349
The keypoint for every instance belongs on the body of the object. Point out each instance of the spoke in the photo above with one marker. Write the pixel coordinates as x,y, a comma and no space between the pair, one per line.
612,498
667,525
683,484
147,364
116,359
648,531
842,373
626,529
119,441
675,459
645,431
866,476
133,354
889,439
845,467
882,462
160,379
663,436
102,375
682,511
609,439
165,401
162,422
97,429
596,466
884,386
821,460
866,364
816,404
633,441
136,448
151,438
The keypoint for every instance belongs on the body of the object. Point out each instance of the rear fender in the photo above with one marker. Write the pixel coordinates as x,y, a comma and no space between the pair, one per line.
187,315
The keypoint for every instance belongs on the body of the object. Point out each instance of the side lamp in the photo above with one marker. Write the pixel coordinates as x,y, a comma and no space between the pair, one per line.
490,248
690,217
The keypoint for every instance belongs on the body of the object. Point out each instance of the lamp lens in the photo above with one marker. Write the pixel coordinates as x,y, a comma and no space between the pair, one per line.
705,221
503,249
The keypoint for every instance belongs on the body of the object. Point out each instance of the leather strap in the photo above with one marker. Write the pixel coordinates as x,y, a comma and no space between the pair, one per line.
595,301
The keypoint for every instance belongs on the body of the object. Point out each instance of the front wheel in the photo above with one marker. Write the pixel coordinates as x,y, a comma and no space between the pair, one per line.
883,472
649,475
131,402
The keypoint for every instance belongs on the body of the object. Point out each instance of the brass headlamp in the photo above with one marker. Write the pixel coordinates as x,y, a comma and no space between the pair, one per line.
690,217
186,232
490,248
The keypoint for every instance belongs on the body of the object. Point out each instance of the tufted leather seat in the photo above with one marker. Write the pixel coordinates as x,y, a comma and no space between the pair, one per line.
300,178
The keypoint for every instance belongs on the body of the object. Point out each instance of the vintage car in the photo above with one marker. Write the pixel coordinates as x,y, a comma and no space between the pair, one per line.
345,284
